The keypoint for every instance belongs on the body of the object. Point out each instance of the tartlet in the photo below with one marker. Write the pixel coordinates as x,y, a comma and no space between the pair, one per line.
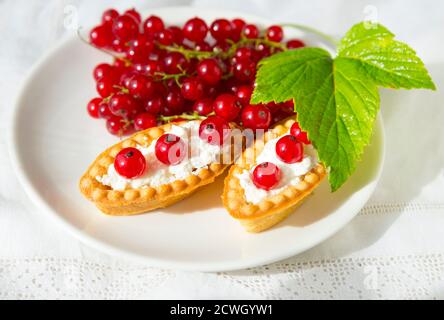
269,211
133,201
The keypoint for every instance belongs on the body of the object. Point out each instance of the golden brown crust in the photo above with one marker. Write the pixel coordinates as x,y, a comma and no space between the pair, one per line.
268,212
136,201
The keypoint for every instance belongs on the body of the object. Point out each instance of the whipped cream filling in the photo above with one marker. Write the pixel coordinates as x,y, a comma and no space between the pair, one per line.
290,172
201,155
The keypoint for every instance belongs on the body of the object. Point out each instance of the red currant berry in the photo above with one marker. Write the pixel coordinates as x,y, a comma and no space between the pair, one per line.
175,62
212,91
153,67
273,107
154,105
170,84
256,117
279,116
214,130
287,107
244,94
177,34
134,15
192,66
158,54
170,149
195,30
231,85
105,87
266,176
101,36
168,111
117,126
289,149
124,105
149,68
125,28
93,107
210,71
222,46
104,111
192,89
203,107
238,26
103,70
243,54
143,43
203,46
153,25
119,63
245,71
295,44
130,163
296,131
144,121
262,51
140,86
227,106
251,31
118,72
165,37
139,49
221,29
126,77
109,16
174,103
118,45
160,89
275,33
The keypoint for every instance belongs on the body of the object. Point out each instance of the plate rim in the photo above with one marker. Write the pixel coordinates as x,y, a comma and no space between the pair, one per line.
102,246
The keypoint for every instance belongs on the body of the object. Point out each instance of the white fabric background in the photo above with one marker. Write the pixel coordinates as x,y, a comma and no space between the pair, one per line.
393,249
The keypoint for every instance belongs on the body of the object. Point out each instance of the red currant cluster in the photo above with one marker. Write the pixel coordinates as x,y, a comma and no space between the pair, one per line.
163,73
289,149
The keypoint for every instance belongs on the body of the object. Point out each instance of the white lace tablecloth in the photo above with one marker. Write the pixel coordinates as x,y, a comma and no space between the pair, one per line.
393,249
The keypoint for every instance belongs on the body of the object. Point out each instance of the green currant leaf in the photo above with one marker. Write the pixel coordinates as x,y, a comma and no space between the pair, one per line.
390,63
337,100
295,72
339,117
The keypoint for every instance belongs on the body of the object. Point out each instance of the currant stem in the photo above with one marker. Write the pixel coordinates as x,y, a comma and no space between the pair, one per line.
122,89
188,54
321,34
185,116
227,76
258,41
160,76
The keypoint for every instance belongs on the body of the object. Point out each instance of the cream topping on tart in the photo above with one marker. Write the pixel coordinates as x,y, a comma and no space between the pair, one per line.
290,172
201,155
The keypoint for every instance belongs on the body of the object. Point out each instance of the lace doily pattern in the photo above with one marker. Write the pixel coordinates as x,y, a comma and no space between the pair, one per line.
403,277
400,207
54,278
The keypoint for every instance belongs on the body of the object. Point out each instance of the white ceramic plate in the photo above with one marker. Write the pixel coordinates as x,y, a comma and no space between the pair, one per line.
53,141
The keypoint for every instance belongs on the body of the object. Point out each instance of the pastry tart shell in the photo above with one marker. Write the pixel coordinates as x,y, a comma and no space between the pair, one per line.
135,201
270,211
